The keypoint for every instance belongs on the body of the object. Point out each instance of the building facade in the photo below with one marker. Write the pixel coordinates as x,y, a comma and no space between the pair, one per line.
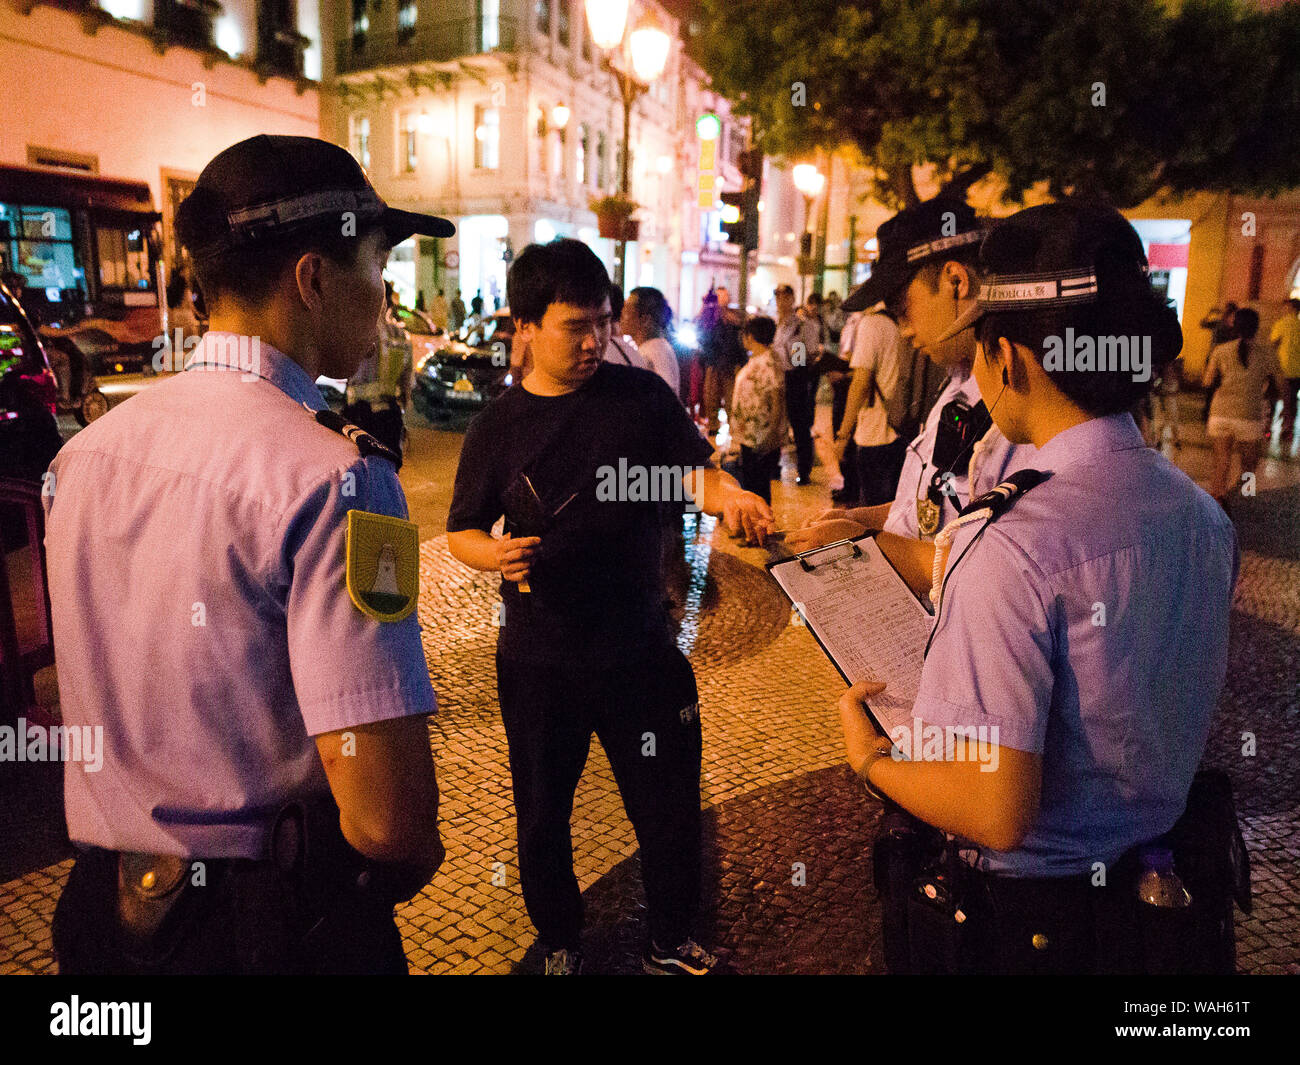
499,115
1208,248
150,90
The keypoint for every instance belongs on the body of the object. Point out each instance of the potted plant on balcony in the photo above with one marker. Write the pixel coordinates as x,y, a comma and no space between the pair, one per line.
614,217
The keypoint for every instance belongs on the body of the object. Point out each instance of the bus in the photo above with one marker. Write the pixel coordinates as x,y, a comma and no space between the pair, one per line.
88,253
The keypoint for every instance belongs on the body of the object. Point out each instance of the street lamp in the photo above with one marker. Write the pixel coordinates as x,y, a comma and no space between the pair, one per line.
649,45
809,181
608,20
645,54
560,116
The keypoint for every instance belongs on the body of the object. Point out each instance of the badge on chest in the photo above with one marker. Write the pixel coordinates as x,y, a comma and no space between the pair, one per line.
927,516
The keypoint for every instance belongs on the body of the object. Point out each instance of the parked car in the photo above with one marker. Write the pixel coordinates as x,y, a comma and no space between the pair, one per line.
29,391
464,374
426,338
334,392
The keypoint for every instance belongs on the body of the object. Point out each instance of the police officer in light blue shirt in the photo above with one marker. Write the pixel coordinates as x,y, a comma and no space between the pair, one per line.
933,488
928,275
233,583
1081,636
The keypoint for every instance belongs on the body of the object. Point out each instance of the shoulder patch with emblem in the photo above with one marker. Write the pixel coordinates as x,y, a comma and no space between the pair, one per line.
383,565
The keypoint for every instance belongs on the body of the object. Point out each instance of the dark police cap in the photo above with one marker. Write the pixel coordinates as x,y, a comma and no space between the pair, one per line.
913,237
1045,257
268,186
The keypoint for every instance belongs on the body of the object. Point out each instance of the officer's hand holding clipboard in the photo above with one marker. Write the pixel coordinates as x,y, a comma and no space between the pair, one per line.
863,740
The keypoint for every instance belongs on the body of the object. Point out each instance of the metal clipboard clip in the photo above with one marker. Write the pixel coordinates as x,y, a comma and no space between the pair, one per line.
802,556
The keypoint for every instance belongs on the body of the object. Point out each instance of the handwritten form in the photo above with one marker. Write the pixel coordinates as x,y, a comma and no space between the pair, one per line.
867,620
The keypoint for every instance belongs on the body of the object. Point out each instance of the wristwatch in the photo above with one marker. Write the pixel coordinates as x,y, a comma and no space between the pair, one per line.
883,749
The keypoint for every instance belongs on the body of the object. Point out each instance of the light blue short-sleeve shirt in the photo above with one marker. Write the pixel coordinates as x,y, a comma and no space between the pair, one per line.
1089,625
196,553
993,457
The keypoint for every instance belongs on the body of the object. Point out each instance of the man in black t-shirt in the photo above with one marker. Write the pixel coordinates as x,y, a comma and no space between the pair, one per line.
580,457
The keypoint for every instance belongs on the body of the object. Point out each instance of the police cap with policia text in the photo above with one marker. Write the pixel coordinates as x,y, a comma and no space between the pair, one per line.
1045,258
913,237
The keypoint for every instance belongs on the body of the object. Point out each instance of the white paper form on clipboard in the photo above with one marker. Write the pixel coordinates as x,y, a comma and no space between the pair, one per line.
866,619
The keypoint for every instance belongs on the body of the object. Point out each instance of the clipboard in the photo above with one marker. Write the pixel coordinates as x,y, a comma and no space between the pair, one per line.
864,617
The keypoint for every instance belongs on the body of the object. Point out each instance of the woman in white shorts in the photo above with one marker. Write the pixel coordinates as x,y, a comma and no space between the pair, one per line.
1238,417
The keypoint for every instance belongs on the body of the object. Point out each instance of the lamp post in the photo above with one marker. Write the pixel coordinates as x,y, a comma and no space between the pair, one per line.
645,54
809,181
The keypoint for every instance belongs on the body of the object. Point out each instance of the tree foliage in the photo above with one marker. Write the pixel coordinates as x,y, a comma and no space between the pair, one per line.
1114,98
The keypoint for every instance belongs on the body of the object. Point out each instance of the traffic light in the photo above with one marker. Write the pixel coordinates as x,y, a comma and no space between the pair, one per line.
740,209
733,216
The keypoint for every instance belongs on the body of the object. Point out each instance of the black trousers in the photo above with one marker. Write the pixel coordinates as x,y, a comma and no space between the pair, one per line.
849,463
758,469
248,919
801,409
646,715
878,471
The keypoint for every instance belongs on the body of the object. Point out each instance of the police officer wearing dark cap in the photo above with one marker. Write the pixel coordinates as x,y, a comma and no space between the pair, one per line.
233,581
1080,641
928,275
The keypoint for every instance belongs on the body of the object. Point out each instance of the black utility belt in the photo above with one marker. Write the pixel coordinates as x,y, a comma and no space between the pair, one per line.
942,915
159,897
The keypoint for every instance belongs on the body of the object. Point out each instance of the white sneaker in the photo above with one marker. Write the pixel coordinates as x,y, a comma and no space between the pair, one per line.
689,959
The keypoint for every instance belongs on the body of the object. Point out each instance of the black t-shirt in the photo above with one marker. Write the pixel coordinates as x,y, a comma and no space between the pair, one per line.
601,460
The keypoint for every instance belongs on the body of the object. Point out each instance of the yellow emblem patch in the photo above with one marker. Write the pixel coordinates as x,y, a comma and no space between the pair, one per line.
383,565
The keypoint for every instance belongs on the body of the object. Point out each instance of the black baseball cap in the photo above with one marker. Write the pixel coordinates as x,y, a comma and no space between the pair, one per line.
270,186
910,239
1046,257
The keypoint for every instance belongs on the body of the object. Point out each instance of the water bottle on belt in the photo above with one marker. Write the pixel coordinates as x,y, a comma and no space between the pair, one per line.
1158,884
1164,906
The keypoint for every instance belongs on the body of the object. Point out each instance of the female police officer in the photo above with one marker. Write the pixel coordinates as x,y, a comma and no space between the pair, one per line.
1082,617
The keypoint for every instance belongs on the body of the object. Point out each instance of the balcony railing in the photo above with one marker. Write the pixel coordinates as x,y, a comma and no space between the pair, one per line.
186,22
280,49
437,43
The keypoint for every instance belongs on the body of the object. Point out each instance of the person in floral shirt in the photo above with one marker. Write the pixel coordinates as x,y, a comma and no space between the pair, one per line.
757,412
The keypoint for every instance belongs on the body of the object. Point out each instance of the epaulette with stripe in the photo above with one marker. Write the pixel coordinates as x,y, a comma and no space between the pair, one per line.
366,444
999,500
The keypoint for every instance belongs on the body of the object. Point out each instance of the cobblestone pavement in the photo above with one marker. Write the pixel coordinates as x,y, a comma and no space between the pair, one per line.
781,805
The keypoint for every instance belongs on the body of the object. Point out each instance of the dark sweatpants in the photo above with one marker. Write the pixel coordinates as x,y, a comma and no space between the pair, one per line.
801,410
645,714
849,461
758,469
878,472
